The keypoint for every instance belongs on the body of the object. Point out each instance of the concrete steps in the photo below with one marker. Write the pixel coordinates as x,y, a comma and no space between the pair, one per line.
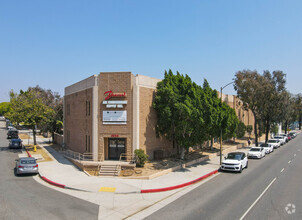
109,170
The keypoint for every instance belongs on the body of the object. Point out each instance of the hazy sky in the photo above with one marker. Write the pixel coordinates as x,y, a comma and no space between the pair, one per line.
57,43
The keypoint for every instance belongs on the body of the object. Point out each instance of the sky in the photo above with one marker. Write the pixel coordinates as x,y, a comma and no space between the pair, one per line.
56,43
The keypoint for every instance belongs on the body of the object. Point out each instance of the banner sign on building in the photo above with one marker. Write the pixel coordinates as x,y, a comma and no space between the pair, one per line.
114,117
110,94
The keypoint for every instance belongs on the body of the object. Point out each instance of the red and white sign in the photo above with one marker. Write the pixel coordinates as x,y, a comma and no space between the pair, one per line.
110,94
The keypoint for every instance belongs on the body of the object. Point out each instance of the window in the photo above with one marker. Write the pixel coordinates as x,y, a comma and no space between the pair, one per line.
87,108
88,148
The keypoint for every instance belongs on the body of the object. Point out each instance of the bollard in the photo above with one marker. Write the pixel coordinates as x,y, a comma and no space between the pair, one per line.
35,148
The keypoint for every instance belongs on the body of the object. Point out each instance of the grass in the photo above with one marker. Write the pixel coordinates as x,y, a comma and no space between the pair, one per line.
39,150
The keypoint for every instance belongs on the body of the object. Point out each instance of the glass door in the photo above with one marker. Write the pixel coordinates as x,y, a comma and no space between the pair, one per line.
116,147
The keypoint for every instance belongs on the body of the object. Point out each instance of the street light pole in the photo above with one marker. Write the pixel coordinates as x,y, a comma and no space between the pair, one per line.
221,129
221,88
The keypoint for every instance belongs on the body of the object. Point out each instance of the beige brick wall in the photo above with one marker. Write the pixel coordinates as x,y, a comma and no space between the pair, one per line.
147,123
118,82
77,123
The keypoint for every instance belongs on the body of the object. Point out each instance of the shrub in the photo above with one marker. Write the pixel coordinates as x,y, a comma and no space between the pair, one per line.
240,131
249,129
141,157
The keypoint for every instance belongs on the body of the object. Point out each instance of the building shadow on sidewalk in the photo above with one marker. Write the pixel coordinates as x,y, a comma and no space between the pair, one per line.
58,156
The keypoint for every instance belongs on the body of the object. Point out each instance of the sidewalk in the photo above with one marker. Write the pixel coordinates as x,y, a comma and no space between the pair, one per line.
107,191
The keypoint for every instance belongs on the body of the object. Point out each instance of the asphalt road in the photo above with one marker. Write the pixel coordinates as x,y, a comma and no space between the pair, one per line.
23,198
263,191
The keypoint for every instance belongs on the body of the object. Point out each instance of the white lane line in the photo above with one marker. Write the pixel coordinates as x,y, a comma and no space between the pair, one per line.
282,170
249,209
289,161
298,149
295,155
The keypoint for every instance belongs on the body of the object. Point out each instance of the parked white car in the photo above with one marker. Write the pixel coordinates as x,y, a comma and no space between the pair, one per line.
267,147
235,161
282,139
256,152
284,136
275,142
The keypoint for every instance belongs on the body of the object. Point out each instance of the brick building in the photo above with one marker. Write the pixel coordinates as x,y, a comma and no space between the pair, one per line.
111,113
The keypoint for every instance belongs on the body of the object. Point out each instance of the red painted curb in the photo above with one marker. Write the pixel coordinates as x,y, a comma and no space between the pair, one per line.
52,183
28,154
178,186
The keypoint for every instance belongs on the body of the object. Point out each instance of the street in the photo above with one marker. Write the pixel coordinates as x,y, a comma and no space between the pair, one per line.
269,189
23,198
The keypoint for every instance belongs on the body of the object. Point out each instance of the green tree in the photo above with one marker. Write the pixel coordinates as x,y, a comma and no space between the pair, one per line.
272,107
4,108
212,112
248,85
249,129
241,129
298,109
54,120
29,108
179,111
229,122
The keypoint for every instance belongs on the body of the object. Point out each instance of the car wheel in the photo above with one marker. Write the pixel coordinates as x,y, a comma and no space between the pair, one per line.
240,171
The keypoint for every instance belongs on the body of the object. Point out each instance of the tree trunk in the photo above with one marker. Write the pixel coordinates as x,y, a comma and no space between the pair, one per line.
300,121
285,127
53,136
34,135
182,153
256,130
212,142
267,127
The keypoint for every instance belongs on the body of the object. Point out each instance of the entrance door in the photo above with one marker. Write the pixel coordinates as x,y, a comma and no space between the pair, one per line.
116,147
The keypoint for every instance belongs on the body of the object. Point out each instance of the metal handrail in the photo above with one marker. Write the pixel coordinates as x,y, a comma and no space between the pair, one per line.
81,156
131,158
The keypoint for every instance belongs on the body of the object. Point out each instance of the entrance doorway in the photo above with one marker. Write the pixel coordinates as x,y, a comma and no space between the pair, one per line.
116,146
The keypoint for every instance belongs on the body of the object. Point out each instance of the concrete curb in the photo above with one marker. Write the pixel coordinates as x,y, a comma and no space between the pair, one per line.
59,185
28,154
179,186
54,183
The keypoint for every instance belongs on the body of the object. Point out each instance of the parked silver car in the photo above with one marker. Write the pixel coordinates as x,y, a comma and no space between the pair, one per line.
26,165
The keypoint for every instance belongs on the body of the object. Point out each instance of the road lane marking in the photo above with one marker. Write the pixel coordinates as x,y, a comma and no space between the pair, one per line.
282,170
289,161
295,155
249,209
298,149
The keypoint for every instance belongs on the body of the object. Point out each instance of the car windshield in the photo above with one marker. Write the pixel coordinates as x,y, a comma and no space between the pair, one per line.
234,156
255,149
28,161
16,141
272,141
264,145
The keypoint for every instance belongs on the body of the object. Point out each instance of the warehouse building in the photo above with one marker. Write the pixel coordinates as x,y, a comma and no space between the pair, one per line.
111,114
